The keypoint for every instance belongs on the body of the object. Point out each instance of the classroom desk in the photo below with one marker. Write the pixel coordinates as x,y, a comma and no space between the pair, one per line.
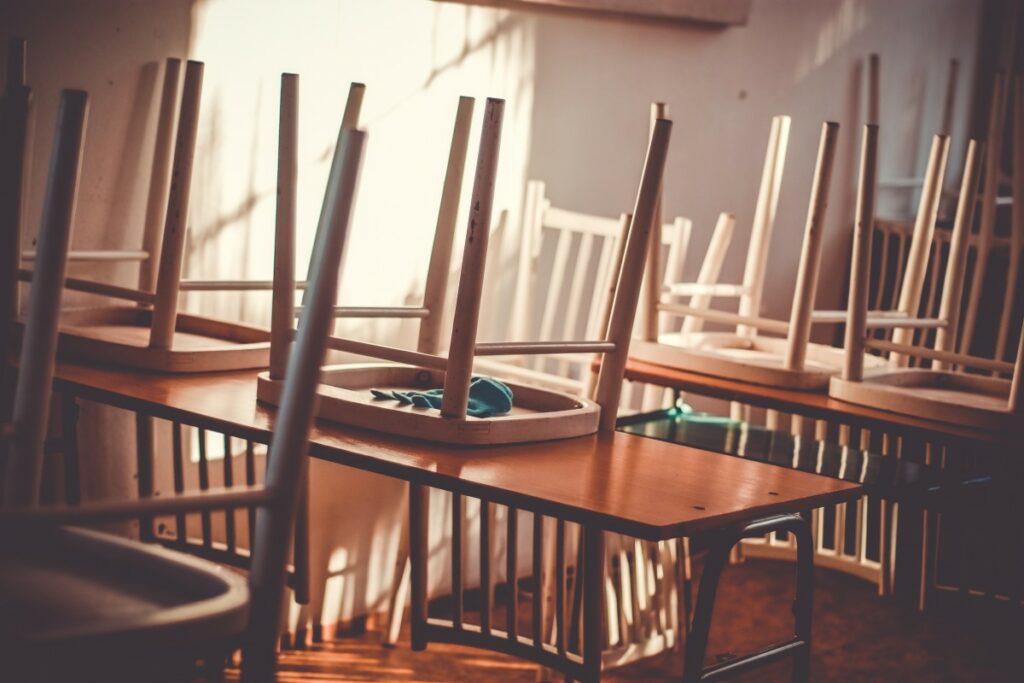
618,482
819,406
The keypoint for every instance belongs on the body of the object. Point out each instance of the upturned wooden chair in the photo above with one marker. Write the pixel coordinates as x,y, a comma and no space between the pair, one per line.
81,603
430,312
150,332
537,414
939,392
789,359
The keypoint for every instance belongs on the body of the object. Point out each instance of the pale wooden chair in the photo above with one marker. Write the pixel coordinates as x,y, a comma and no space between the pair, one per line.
790,359
537,415
115,607
939,392
431,311
150,332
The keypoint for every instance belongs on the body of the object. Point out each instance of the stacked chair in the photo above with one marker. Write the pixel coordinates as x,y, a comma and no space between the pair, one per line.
939,392
120,607
748,354
538,414
148,332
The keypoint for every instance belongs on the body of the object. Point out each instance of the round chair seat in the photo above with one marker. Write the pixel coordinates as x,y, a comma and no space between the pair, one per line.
74,600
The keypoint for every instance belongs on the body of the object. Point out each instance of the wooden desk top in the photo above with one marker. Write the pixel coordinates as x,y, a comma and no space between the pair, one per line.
814,405
625,483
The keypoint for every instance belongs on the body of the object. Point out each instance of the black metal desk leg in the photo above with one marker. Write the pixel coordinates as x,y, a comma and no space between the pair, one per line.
69,446
144,463
697,641
593,600
798,647
419,514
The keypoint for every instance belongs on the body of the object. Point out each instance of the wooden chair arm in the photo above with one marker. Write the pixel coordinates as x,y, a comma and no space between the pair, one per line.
109,511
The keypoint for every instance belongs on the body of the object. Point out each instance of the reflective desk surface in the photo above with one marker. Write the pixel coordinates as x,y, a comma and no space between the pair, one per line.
885,476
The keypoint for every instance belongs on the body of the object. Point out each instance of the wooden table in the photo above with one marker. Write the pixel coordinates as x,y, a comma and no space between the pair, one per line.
818,406
619,482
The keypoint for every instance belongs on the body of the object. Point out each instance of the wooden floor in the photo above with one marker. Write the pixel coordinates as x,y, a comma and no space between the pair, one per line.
858,637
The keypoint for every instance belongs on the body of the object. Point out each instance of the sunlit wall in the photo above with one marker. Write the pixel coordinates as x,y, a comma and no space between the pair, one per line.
416,59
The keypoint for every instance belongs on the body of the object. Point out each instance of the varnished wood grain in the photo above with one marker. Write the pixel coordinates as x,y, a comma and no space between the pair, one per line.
624,483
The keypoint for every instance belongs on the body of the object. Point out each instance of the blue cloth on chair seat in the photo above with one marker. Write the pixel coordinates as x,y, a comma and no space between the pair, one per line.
487,397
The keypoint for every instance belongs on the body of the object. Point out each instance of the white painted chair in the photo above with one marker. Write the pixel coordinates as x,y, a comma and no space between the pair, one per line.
564,286
120,609
939,392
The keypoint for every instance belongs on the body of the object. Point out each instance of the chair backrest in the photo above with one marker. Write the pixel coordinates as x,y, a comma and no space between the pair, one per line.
567,263
710,269
23,461
565,283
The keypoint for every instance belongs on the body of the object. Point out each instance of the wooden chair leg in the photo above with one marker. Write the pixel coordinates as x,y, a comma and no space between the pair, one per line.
685,580
798,647
144,463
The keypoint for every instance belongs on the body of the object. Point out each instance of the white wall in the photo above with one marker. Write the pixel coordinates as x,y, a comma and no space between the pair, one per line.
578,91
595,79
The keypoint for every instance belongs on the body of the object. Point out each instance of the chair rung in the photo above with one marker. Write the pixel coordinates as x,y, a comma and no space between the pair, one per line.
770,654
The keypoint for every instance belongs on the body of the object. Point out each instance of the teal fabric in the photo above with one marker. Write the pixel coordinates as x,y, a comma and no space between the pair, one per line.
704,418
487,397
